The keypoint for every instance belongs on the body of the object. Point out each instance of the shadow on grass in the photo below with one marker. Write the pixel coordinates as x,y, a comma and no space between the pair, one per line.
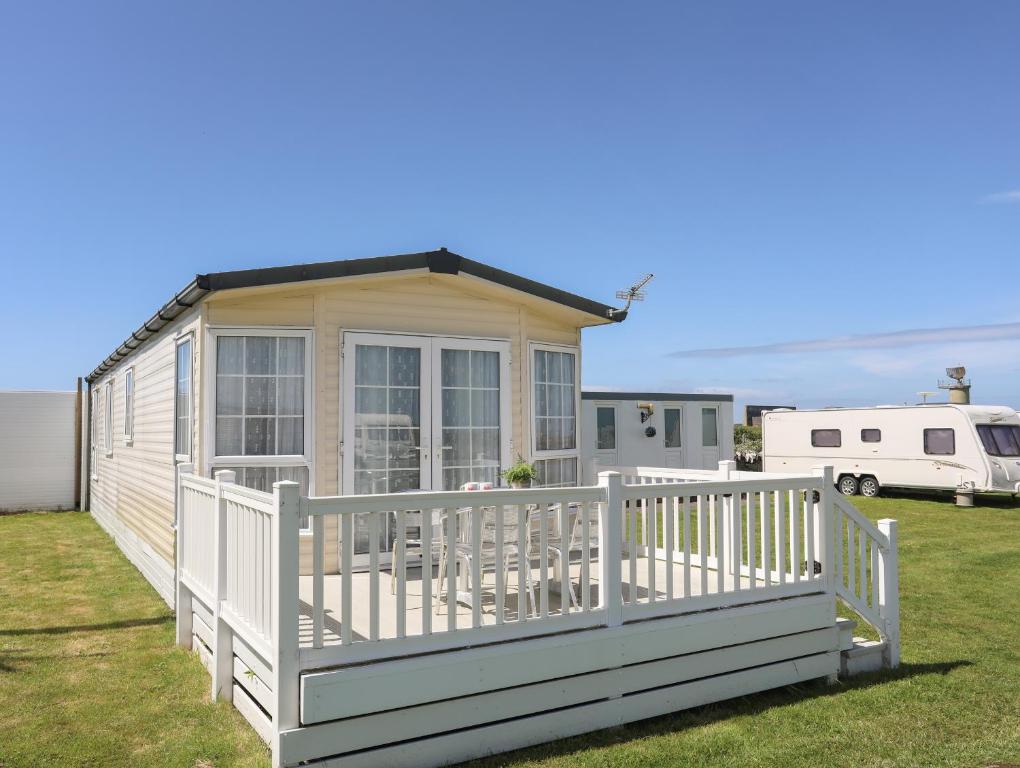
72,628
752,704
995,500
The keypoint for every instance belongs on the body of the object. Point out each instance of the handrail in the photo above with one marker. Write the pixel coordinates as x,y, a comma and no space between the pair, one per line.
641,490
861,521
866,572
373,502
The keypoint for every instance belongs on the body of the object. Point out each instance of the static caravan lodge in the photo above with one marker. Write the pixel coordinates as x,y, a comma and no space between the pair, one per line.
286,454
380,375
939,446
656,429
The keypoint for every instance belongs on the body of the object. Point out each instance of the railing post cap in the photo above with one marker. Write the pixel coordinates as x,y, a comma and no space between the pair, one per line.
609,476
225,475
887,522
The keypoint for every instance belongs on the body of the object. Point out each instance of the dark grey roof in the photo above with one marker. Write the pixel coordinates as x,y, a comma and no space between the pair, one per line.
440,262
660,396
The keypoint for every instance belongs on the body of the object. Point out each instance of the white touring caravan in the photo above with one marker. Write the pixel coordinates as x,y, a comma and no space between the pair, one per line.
941,446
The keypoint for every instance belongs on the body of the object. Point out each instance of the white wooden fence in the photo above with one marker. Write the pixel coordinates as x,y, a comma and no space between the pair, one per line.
643,543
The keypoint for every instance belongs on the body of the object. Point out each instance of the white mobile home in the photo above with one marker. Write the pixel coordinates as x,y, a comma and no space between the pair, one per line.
940,446
280,451
656,429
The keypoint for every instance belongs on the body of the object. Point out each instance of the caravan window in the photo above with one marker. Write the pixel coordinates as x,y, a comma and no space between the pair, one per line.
826,438
1000,439
871,435
674,424
939,442
605,419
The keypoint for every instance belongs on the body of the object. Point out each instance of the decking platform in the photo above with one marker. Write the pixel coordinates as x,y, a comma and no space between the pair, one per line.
389,608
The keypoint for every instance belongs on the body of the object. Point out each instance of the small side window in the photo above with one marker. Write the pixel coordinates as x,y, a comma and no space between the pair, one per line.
826,438
605,418
871,435
939,442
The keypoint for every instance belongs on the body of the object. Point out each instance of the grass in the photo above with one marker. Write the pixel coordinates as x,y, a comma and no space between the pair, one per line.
89,674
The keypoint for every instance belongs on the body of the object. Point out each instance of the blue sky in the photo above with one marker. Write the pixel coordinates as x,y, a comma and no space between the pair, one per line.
789,171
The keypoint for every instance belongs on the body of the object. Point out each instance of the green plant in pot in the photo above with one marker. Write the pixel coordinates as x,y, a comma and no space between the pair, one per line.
521,474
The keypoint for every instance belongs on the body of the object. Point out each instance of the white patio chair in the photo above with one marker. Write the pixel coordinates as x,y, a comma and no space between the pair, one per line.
559,544
490,557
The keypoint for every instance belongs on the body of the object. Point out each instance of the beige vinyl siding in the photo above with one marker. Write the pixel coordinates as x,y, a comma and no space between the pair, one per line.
134,487
419,303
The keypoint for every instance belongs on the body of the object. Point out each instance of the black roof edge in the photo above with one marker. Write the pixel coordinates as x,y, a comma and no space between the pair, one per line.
180,303
439,262
665,396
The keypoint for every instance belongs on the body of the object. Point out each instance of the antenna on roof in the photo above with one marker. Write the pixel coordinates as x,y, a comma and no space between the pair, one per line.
634,293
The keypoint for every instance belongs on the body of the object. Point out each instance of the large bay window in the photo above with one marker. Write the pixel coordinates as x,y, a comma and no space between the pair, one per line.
554,405
261,428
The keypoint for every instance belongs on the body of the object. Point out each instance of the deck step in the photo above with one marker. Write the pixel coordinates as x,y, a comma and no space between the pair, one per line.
864,656
846,629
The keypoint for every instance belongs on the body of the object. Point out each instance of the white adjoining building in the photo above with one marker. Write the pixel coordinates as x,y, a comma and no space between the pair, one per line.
656,429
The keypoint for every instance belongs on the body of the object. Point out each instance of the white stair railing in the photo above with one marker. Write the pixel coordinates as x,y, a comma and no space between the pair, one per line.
867,576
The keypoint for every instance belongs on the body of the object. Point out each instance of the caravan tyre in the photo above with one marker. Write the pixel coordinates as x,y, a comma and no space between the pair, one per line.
870,487
848,485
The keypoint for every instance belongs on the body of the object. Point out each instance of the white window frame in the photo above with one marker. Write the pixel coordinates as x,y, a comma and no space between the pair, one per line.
187,338
565,453
616,440
94,436
307,459
129,406
718,430
108,418
665,427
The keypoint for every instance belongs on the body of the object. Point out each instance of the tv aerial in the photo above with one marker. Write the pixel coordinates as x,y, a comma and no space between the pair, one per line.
925,395
632,294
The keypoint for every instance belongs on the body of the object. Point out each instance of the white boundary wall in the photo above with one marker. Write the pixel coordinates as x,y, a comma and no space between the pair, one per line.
37,450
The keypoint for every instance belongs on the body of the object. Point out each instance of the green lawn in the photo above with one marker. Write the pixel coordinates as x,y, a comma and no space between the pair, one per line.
89,674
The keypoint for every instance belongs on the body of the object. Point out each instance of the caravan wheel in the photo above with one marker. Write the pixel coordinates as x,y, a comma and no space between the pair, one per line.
870,487
848,485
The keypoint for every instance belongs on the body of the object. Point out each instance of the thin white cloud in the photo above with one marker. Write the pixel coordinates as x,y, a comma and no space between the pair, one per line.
1010,196
892,340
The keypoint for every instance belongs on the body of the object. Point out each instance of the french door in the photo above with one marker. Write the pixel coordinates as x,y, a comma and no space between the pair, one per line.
422,413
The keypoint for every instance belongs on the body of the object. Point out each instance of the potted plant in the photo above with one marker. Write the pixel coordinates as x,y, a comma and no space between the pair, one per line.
521,474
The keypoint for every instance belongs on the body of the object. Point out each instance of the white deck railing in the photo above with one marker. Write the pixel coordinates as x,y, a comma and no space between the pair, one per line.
643,543
866,572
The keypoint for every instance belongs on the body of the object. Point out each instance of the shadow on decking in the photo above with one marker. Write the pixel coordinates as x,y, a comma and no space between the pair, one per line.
676,722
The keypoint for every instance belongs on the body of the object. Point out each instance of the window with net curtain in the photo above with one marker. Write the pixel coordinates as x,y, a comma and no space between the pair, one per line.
260,410
555,418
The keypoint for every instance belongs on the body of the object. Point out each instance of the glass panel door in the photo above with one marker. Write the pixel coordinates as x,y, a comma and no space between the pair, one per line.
383,422
469,393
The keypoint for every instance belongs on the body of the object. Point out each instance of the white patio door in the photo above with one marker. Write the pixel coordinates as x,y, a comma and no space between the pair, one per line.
422,413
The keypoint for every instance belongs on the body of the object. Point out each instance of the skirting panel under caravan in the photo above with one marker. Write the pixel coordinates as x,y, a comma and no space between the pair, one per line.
444,708
158,572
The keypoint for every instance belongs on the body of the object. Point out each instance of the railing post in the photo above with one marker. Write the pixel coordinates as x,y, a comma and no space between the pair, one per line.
223,641
182,602
825,529
286,613
611,548
726,468
889,593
